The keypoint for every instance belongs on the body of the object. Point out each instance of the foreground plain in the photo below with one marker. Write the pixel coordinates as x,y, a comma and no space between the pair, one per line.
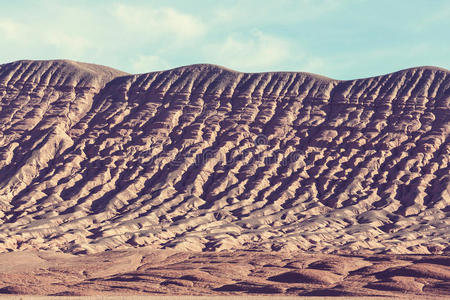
166,272
259,297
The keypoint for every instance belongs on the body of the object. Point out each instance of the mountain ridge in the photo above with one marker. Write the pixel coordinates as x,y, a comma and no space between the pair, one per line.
203,158
216,66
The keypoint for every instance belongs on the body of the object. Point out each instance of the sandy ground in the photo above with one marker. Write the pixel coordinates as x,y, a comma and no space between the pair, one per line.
212,298
232,273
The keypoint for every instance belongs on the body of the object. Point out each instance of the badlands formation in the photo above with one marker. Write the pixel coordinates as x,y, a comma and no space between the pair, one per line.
202,158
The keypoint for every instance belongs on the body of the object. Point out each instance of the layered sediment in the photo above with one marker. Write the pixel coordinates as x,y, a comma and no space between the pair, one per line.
202,158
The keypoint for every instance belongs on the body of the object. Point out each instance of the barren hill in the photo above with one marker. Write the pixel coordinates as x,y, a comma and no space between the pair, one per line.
205,158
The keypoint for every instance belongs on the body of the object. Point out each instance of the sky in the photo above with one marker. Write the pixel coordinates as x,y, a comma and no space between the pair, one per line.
341,39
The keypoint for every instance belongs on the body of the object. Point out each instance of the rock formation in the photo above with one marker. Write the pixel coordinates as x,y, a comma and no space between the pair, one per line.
204,158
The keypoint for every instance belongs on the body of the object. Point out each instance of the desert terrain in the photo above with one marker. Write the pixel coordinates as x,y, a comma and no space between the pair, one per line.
143,271
204,180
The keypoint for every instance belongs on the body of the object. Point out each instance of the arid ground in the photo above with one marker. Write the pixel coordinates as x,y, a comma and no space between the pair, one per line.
167,272
203,180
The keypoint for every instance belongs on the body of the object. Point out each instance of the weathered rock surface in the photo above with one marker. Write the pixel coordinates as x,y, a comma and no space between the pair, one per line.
205,158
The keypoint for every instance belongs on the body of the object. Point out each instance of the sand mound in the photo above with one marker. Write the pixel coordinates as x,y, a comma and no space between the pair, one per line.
204,158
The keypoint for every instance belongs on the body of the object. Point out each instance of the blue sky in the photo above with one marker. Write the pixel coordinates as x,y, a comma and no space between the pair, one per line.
342,39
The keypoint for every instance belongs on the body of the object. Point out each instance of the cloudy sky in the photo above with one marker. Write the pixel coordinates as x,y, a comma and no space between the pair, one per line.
342,39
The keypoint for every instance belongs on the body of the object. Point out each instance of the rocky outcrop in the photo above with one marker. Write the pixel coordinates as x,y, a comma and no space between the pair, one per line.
205,158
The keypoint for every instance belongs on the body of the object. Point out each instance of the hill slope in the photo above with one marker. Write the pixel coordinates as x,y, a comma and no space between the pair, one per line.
205,158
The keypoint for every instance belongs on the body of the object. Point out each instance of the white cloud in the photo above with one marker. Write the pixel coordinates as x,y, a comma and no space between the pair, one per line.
69,44
27,35
314,65
162,21
12,30
281,11
257,50
148,63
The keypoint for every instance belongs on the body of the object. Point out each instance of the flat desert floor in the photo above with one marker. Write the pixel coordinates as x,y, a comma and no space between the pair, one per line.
207,298
150,272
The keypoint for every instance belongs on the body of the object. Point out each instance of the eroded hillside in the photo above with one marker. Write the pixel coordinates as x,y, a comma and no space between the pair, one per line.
205,158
